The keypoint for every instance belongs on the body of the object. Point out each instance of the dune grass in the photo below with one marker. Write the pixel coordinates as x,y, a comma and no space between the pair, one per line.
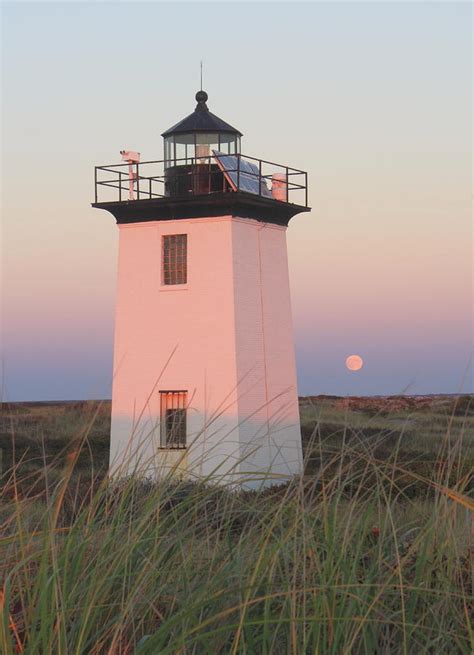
371,551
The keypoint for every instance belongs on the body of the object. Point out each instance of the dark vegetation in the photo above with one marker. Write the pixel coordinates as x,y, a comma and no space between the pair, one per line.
371,551
419,430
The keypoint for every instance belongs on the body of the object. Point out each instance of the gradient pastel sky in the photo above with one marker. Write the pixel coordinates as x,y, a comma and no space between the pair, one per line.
372,99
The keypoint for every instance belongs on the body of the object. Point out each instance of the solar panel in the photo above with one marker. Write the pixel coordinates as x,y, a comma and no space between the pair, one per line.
242,175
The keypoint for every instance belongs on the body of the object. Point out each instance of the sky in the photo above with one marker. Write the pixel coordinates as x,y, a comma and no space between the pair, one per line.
374,100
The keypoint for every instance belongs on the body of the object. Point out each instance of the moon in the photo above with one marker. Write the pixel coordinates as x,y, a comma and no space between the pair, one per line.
354,362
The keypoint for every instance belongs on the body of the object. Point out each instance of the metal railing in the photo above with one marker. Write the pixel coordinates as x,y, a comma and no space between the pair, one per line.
200,175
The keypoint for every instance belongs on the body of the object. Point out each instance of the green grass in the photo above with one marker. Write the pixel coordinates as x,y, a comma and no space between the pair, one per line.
369,552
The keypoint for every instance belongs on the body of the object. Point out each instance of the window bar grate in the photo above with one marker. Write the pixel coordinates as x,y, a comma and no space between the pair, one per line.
175,268
173,419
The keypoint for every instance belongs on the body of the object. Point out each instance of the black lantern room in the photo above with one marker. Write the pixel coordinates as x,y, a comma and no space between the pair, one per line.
188,151
203,173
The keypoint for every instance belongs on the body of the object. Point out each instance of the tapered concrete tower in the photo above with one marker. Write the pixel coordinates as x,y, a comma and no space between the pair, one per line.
204,379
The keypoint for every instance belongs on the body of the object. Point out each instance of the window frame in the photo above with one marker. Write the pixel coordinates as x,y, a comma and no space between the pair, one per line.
178,401
167,271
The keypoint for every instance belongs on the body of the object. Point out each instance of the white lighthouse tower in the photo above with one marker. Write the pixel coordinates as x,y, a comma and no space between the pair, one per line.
204,380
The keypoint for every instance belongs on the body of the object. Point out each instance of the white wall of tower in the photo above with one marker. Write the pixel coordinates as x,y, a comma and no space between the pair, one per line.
226,337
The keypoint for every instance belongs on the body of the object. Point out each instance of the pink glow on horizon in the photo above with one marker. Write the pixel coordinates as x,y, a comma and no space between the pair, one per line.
381,266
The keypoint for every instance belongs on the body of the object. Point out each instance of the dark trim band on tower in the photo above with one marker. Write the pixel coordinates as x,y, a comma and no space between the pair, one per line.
238,203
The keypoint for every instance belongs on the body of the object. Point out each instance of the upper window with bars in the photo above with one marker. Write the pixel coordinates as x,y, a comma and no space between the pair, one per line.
173,419
175,259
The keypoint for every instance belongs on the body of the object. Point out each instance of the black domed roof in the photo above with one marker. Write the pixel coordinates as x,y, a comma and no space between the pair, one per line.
201,120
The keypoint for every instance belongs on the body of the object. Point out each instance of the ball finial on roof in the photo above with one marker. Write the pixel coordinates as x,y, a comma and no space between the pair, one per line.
201,120
201,97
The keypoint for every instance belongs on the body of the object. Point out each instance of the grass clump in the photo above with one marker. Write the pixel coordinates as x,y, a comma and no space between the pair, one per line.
344,559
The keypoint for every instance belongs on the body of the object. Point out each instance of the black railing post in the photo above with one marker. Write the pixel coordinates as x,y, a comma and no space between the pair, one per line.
138,183
209,179
238,172
150,186
95,183
120,186
259,177
287,186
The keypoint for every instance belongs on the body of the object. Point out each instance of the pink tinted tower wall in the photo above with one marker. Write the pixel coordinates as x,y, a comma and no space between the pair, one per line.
204,381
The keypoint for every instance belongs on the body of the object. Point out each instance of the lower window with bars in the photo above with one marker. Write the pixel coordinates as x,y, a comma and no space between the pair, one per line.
173,419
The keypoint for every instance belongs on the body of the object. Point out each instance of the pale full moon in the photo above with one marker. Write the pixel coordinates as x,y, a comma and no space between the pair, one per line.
354,363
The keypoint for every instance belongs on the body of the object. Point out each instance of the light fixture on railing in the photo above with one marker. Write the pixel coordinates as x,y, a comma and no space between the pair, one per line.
280,187
132,158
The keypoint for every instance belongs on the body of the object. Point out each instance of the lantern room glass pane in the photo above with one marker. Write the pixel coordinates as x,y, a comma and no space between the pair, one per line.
205,143
180,153
169,151
228,144
208,139
184,148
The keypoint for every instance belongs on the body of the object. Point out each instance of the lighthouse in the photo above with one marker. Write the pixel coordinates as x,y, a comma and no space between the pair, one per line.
204,378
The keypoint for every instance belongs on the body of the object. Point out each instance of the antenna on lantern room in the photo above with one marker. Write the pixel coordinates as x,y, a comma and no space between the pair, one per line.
132,158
